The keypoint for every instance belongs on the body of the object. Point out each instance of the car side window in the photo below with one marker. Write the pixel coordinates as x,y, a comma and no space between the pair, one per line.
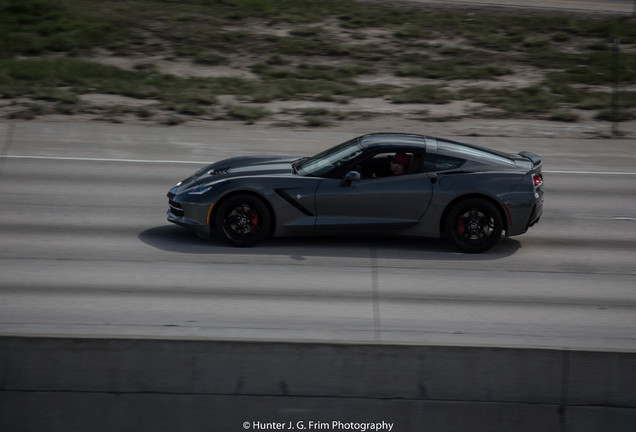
379,165
437,162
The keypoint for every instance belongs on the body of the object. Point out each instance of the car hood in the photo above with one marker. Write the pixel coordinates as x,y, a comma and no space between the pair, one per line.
238,167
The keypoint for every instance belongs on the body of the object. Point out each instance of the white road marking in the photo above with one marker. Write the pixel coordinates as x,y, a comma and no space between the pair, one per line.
150,161
590,172
85,159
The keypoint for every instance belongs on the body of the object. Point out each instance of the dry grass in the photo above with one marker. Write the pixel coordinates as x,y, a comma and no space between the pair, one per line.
540,67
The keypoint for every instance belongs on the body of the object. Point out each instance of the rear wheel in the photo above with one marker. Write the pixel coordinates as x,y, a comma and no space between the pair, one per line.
474,225
243,220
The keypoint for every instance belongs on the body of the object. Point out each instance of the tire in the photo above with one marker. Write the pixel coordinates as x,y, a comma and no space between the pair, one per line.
243,220
474,225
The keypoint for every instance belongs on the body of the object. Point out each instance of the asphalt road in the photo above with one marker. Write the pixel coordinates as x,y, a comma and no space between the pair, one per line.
620,7
85,250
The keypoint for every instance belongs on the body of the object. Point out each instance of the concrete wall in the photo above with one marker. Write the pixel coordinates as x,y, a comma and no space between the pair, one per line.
82,384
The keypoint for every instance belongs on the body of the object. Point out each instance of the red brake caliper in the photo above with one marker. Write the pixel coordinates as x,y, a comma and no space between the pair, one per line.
254,220
460,226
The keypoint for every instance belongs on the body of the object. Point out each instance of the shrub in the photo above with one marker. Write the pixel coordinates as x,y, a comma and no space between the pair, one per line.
563,116
249,114
427,94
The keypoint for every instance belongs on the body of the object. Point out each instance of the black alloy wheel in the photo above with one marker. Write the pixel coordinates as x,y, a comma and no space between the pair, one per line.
474,225
243,220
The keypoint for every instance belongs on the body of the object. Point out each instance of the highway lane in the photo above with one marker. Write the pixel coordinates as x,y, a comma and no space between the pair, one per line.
85,249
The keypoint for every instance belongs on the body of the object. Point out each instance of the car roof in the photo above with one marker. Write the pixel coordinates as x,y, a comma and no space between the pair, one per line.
392,139
396,140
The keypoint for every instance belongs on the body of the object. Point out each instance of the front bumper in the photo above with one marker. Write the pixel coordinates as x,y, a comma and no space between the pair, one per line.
186,222
189,215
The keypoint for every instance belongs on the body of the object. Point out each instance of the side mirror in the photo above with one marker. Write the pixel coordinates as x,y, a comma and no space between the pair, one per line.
352,176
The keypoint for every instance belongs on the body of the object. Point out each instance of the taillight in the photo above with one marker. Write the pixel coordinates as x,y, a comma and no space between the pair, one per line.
537,179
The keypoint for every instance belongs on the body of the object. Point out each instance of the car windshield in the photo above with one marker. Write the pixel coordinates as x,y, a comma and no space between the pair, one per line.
329,159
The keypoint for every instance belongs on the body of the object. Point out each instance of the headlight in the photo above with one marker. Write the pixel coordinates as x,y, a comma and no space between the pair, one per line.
203,188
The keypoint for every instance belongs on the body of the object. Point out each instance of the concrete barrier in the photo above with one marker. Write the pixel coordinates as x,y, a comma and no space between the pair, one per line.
89,384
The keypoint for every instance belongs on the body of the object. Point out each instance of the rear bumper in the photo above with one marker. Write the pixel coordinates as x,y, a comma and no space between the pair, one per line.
537,211
523,215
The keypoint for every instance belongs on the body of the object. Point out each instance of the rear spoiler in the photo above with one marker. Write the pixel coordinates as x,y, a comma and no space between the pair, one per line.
535,159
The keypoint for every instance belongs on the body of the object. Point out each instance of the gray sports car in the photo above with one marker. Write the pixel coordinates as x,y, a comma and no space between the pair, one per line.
384,183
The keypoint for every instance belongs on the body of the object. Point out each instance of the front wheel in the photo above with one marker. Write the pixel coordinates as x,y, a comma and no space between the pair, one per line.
243,220
474,225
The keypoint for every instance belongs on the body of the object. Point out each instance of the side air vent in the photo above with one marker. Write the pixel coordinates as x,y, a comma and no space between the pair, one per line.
219,171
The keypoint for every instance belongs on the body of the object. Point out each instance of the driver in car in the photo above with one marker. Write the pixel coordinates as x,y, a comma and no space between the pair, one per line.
399,163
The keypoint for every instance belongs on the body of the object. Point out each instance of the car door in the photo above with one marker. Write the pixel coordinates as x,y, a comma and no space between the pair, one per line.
390,202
